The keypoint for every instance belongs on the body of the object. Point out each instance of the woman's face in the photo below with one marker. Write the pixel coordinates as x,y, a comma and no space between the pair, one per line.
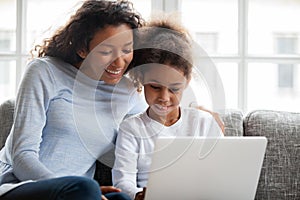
163,88
110,53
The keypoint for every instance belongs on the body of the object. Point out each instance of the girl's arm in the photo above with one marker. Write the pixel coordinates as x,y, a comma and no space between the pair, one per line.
124,172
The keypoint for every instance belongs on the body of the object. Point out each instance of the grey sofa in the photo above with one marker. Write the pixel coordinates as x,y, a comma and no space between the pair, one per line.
280,174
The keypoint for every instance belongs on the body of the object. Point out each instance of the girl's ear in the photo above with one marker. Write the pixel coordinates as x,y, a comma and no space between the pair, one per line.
82,53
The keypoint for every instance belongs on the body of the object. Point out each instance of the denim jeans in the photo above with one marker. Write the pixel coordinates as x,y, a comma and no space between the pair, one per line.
64,188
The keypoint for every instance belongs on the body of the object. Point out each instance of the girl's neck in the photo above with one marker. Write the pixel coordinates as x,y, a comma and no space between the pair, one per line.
168,120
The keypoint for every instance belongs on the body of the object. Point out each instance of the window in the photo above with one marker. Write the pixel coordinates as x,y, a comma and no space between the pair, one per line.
25,23
6,38
285,76
256,55
208,41
213,19
286,44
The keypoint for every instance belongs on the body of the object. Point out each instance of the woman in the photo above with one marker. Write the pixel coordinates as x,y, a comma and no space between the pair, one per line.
57,134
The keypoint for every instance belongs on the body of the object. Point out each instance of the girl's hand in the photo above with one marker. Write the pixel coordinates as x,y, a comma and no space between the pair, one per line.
103,197
140,195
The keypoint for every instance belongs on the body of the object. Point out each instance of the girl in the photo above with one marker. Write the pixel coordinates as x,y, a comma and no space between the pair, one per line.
163,68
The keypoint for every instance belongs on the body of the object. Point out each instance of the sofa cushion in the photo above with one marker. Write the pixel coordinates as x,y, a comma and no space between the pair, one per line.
280,173
233,121
6,119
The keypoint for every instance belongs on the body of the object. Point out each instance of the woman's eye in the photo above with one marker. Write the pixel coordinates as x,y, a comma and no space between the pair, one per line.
127,51
105,53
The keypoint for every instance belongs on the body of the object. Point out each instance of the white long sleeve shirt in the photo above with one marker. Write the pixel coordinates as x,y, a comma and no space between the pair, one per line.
135,144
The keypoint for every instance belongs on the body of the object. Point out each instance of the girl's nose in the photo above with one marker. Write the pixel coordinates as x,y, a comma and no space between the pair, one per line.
164,95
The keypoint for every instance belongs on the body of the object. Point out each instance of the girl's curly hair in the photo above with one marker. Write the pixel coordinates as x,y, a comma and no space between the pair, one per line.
162,41
92,16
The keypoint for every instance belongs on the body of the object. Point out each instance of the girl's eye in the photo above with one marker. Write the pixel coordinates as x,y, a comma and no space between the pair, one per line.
174,89
155,87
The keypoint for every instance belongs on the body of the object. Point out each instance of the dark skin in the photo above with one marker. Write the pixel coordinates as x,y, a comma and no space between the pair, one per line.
140,195
216,116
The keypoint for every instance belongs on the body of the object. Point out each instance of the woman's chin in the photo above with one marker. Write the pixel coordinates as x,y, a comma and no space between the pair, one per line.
111,80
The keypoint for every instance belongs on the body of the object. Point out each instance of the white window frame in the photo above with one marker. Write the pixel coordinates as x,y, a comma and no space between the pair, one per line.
242,58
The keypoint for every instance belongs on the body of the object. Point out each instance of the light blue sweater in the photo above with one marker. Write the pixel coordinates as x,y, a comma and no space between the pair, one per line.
63,122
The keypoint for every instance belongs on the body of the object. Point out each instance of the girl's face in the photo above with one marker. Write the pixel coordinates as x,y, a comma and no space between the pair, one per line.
163,88
110,52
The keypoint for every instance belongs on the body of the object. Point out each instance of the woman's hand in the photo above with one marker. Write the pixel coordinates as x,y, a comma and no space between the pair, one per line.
108,189
214,114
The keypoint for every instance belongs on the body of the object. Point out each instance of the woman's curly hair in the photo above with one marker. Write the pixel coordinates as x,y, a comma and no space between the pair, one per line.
92,16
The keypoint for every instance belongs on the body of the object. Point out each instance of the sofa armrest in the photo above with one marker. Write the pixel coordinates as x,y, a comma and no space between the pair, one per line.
280,173
6,119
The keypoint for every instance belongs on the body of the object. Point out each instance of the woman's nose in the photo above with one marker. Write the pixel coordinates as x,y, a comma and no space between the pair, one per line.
119,59
119,62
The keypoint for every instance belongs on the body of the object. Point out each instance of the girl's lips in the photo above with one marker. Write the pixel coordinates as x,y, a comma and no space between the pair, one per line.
162,107
159,109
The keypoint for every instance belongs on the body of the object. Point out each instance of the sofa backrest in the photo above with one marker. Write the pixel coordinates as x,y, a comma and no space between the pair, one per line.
280,174
233,121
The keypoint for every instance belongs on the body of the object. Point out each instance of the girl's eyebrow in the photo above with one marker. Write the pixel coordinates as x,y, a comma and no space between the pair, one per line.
175,84
172,84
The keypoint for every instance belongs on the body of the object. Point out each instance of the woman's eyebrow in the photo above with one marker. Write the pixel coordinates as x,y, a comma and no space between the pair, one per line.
128,43
111,45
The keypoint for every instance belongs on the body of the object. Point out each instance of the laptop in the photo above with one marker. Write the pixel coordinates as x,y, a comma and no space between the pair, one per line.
189,168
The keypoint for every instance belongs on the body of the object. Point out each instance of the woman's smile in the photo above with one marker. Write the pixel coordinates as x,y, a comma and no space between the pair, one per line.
115,72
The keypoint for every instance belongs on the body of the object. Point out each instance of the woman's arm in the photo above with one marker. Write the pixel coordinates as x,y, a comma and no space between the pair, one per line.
29,120
214,114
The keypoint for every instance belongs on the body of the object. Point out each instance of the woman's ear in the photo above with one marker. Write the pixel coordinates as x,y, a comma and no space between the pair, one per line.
82,53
